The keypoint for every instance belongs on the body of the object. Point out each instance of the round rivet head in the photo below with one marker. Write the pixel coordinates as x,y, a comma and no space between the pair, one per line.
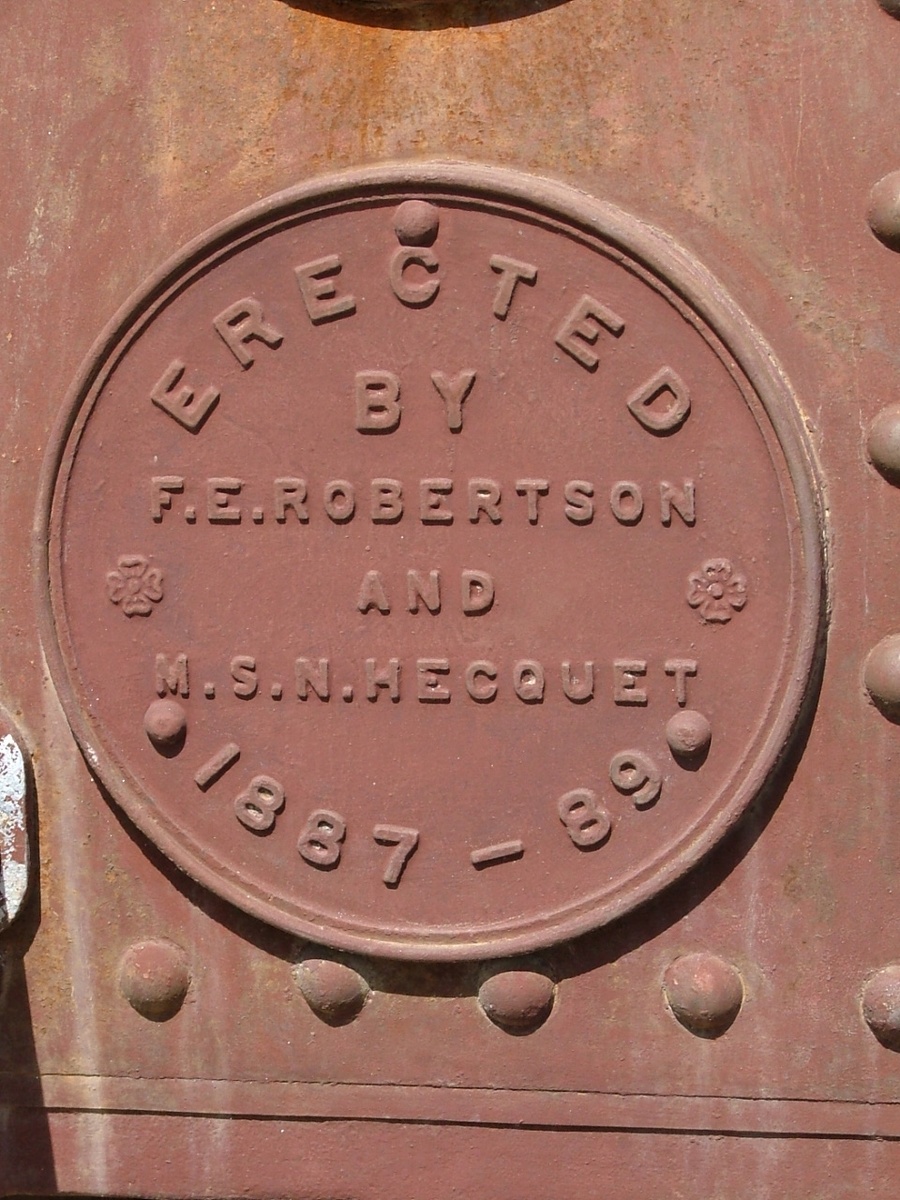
154,978
688,734
880,1004
882,675
335,992
883,443
704,992
165,723
884,210
416,223
517,1001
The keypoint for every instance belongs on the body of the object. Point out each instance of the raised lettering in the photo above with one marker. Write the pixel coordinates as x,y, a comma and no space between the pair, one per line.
218,492
454,392
680,669
172,676
188,410
320,842
476,675
430,688
484,497
528,681
243,672
290,494
387,501
581,329
414,295
216,766
431,504
511,274
489,856
372,593
316,677
256,807
578,690
406,841
587,822
531,489
661,419
429,592
635,774
387,678
339,501
162,488
377,401
627,502
477,592
680,500
243,322
626,673
319,290
579,505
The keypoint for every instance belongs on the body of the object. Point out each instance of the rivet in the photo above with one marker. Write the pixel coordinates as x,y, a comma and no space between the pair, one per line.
883,444
882,675
165,723
688,734
416,223
334,991
880,1004
154,978
884,209
517,1001
704,992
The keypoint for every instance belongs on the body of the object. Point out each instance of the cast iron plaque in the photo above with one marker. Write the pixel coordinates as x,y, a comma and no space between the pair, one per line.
434,562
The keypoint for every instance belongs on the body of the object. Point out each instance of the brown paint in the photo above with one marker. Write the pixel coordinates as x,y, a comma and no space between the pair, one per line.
753,135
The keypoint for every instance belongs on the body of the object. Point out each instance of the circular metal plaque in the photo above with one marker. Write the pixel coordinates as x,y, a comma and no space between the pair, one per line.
434,562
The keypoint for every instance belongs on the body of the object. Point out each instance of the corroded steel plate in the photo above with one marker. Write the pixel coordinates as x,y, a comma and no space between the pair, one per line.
434,562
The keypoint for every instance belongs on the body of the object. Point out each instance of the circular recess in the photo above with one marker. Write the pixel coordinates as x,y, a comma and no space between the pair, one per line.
414,489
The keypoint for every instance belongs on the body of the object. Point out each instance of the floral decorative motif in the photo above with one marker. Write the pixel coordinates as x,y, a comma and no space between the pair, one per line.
717,591
135,585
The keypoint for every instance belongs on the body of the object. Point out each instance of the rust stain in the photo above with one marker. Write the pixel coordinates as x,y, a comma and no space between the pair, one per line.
810,883
106,64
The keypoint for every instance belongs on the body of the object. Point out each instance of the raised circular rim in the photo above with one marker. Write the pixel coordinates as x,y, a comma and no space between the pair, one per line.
677,272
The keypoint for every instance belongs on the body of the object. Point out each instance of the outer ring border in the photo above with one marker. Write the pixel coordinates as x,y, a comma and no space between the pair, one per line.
667,261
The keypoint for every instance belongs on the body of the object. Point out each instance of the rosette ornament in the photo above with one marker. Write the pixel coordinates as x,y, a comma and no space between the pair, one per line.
717,590
135,585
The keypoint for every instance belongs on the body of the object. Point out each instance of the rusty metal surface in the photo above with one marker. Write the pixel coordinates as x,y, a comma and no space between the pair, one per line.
735,1034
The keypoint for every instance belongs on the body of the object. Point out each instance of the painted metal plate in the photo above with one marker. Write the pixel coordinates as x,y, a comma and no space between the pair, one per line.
434,561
